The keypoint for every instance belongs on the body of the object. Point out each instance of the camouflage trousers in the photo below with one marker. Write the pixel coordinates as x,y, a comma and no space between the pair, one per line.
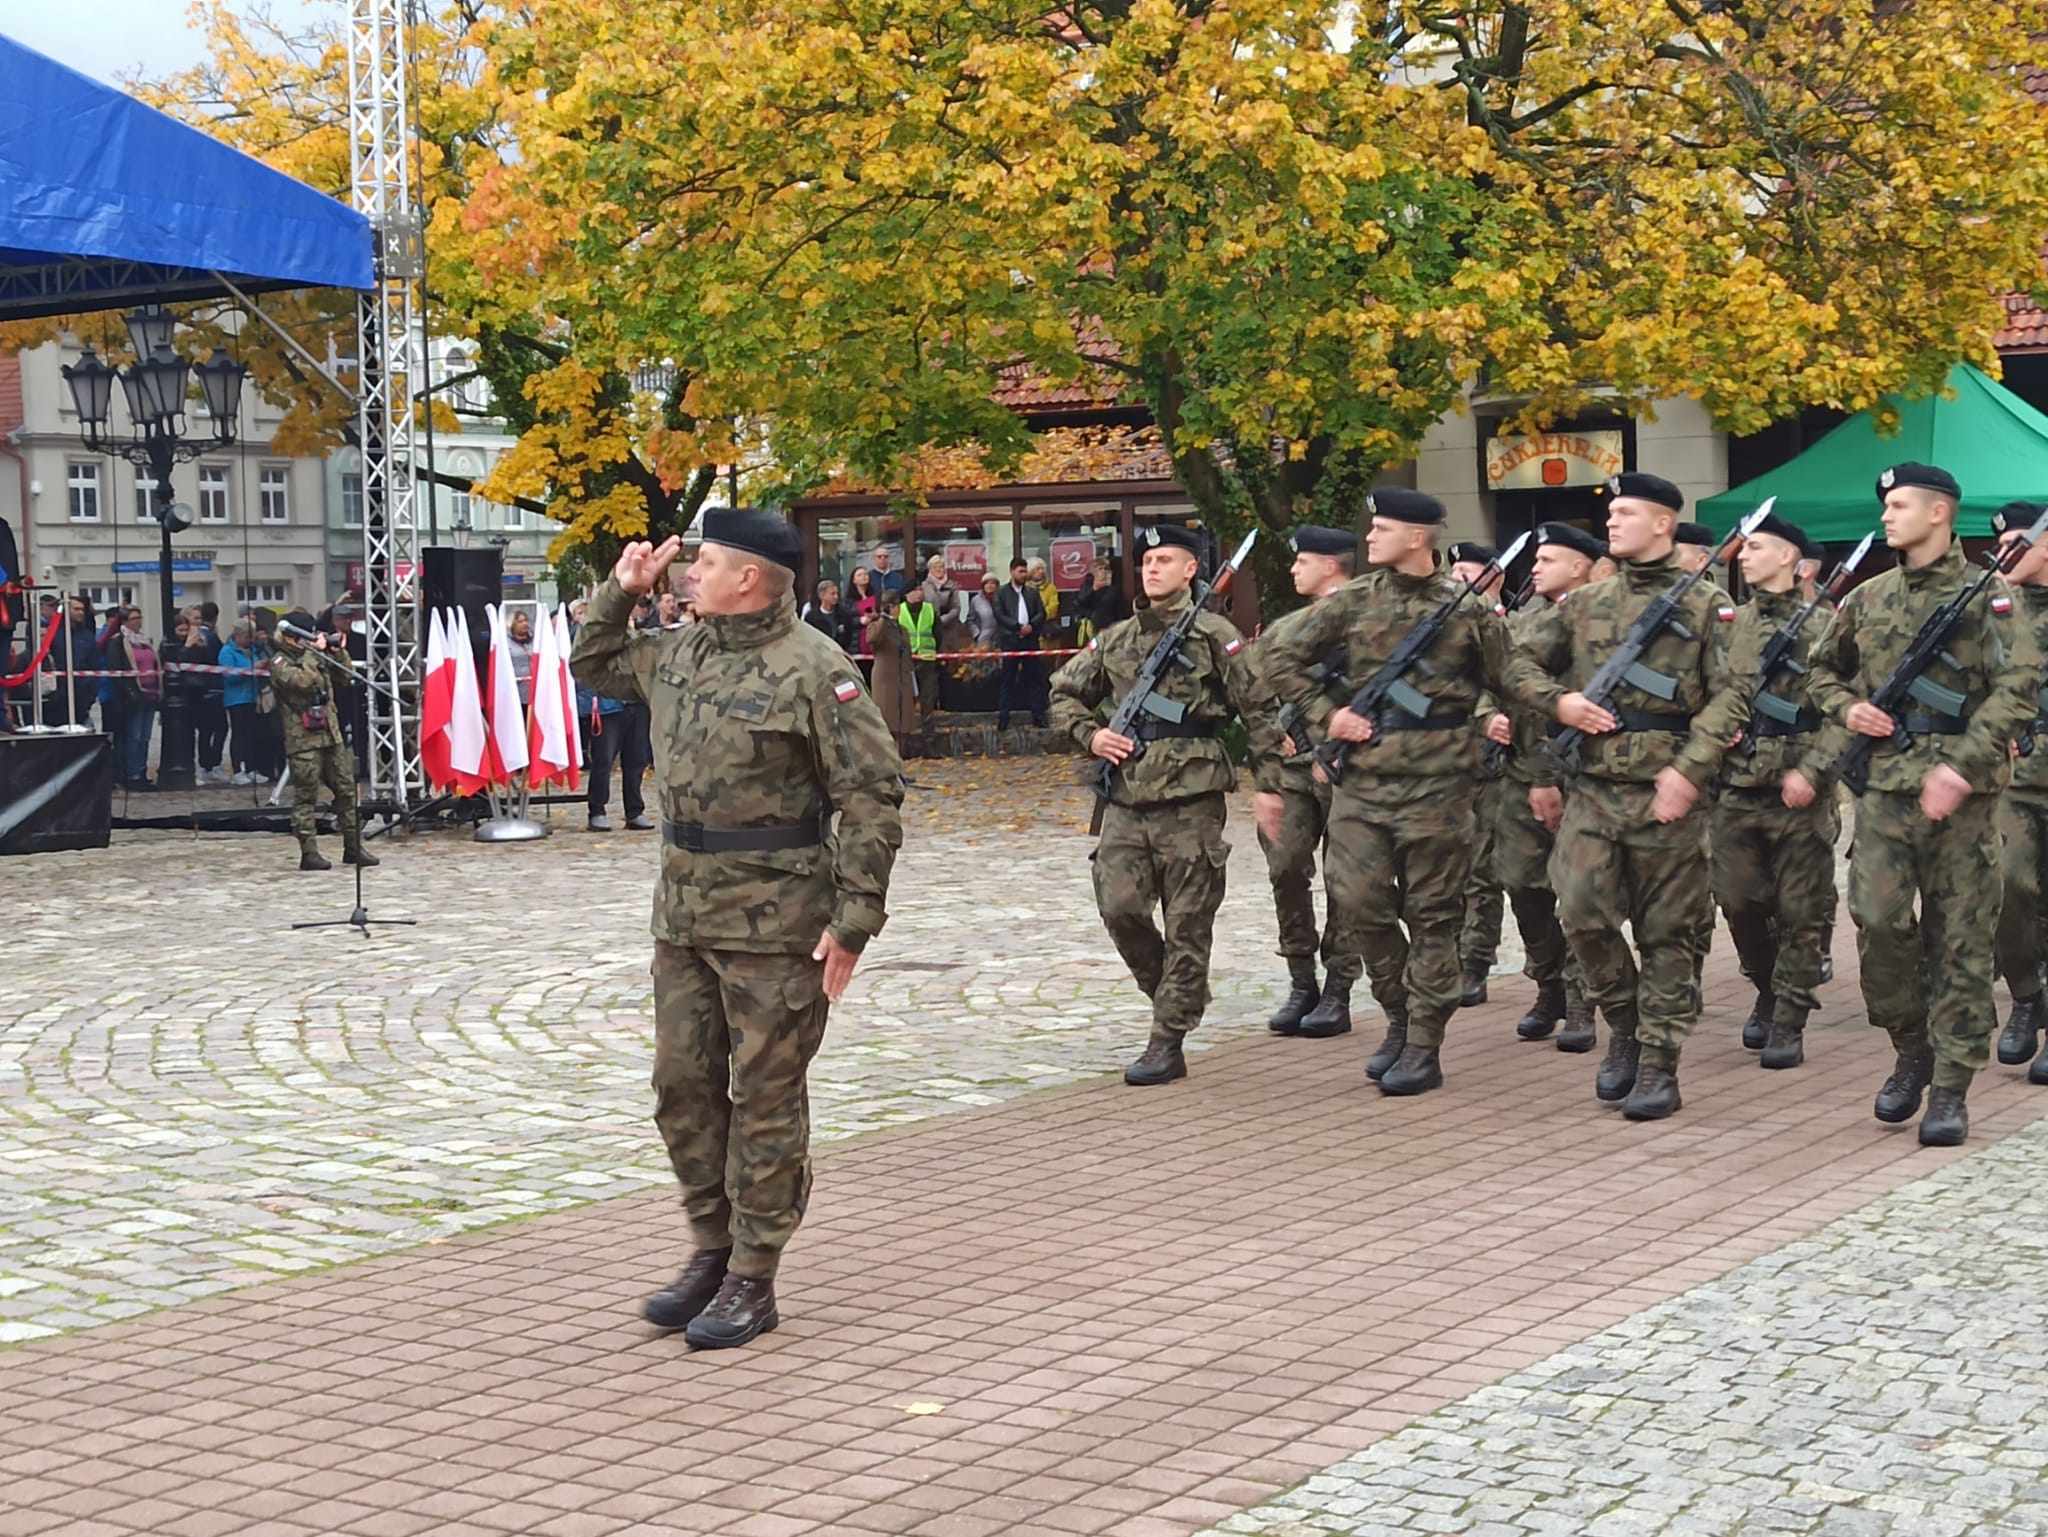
1169,857
1774,876
1291,864
1400,853
1521,858
1703,926
1485,901
1928,978
734,1034
2023,822
333,766
1616,865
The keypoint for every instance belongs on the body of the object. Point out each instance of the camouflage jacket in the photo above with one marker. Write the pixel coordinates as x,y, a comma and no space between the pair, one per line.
303,682
1358,627
1997,668
1296,771
1762,761
1216,682
1527,762
2031,772
757,720
1575,635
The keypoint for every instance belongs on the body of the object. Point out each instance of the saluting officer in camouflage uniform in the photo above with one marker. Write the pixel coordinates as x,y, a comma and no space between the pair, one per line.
1162,833
1928,824
1775,823
1324,560
2023,821
780,796
1631,849
1525,829
1485,902
313,745
1403,814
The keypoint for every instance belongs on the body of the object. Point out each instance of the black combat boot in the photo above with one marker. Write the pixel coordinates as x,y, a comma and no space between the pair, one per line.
310,857
1550,1007
1580,1032
1947,1122
2038,1073
1757,1028
1161,1062
1416,1071
1899,1099
1389,1050
1786,1044
1655,1092
1617,1073
1472,989
743,1309
1332,1013
689,1293
1301,996
2021,1037
353,853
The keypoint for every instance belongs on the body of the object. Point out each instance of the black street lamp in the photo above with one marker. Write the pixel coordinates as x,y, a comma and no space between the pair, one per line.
156,387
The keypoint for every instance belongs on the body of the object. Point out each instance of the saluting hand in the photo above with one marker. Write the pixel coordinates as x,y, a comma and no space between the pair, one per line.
1347,725
1942,793
1675,795
641,565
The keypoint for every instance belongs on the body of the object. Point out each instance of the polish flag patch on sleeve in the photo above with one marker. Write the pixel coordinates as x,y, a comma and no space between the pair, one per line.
1725,614
846,691
2001,605
1232,646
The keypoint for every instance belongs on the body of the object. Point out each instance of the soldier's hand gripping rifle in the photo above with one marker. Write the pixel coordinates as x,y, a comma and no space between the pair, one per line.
1144,698
1493,756
1388,688
1908,683
1625,666
1778,658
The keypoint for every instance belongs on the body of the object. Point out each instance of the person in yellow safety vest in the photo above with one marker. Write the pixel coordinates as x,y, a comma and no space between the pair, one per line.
920,621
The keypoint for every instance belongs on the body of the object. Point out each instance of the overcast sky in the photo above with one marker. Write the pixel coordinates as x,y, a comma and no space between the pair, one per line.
111,38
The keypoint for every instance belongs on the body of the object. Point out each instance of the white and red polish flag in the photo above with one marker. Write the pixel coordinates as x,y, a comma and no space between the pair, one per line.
437,705
501,704
547,741
468,737
575,738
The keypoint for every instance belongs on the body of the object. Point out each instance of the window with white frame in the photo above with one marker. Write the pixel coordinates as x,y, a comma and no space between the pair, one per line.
145,497
213,493
459,510
262,594
273,493
84,492
351,500
104,598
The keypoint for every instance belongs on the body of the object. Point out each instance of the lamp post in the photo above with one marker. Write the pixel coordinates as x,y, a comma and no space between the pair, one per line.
156,386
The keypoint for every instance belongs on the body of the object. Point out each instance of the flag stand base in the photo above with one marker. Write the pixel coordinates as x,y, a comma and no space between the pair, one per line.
509,830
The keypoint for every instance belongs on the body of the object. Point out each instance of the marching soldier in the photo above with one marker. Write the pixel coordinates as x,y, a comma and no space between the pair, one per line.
1775,822
1401,832
1324,560
313,745
1527,818
1162,834
1928,824
764,902
2023,822
1485,902
1631,848
1695,551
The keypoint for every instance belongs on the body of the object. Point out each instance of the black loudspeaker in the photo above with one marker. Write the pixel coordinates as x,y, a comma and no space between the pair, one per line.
56,792
465,579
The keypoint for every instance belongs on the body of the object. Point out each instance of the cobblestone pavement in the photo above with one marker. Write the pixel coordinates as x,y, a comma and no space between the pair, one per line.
1887,1375
193,1097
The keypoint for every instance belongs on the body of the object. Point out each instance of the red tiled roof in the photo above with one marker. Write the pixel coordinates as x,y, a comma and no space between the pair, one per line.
1022,389
2026,326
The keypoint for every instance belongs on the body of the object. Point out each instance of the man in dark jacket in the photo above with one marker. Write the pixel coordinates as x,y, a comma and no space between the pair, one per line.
1020,616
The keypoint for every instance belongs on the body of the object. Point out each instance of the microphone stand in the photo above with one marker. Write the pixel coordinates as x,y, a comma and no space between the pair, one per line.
359,917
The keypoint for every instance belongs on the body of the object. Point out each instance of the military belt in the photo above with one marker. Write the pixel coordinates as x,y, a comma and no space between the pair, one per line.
1935,725
1650,720
1763,725
1152,729
699,839
1440,720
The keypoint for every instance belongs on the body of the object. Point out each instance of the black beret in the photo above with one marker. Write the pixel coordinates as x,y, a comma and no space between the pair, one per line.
1571,538
1696,533
1649,488
1783,528
1930,477
1312,539
301,618
1404,506
1472,550
2012,515
1176,535
757,531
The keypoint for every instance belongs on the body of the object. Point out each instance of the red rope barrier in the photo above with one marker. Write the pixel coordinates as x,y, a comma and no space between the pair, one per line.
36,664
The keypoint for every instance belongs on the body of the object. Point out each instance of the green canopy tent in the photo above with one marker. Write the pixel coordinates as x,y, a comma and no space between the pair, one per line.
1992,441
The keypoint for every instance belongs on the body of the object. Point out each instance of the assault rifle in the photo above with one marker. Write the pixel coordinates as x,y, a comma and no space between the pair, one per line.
1493,756
1626,665
1908,682
1778,657
1388,688
1293,719
1144,698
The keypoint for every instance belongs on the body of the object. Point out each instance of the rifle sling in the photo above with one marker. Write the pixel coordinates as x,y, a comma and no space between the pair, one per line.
1437,720
1152,729
1650,720
1761,726
1918,724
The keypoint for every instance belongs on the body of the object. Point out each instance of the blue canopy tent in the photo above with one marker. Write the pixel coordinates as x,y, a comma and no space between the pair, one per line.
106,202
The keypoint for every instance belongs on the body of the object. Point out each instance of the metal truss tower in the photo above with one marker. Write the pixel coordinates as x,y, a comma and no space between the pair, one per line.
390,344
